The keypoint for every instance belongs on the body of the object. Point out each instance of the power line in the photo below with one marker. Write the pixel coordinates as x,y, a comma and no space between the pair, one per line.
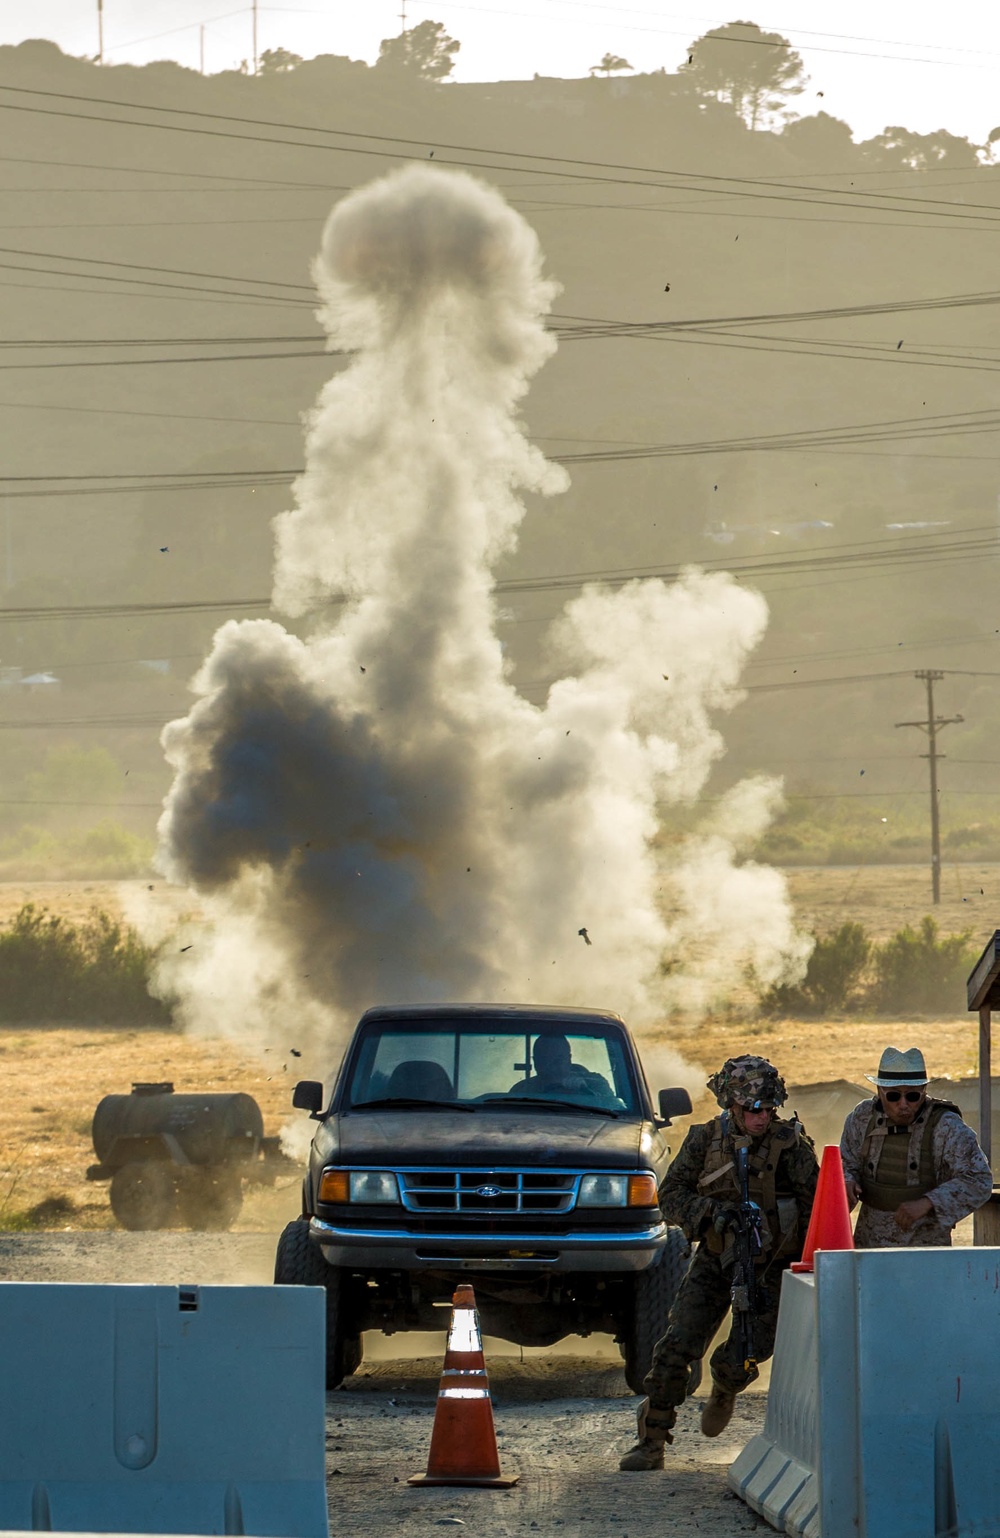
222,296
131,610
782,45
567,327
235,357
180,272
87,721
122,806
752,187
890,430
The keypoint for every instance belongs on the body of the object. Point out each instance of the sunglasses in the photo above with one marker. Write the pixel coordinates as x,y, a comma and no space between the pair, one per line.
911,1096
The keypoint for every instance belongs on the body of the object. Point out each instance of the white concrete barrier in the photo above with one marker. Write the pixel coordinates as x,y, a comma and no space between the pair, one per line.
132,1409
883,1414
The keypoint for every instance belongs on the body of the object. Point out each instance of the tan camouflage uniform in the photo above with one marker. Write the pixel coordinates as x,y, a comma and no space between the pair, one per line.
963,1178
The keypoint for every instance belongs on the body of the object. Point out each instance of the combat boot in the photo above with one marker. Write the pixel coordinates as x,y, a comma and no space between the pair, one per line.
655,1425
646,1454
717,1411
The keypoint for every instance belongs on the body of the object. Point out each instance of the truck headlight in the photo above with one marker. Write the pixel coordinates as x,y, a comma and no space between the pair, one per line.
617,1191
603,1191
367,1187
370,1186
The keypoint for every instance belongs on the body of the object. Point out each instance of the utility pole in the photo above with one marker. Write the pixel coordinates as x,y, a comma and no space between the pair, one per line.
932,725
402,18
201,48
255,36
100,31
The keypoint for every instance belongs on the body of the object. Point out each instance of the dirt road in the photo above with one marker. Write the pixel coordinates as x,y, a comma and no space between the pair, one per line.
562,1420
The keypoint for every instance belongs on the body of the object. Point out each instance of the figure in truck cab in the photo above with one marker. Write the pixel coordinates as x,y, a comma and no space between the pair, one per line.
556,1075
703,1193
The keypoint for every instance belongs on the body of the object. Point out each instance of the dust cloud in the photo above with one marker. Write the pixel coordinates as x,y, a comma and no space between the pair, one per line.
371,811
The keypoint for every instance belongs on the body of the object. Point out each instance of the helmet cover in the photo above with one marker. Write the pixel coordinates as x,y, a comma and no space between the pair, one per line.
748,1081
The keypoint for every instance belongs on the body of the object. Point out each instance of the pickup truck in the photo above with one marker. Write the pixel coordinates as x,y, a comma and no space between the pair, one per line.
513,1147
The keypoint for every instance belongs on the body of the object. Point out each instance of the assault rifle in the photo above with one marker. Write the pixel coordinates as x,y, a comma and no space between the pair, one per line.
747,1245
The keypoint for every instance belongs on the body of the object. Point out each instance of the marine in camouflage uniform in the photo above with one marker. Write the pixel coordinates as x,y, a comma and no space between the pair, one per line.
701,1195
915,1166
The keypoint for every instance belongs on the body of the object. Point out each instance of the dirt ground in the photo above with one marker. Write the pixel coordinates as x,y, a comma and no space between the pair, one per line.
52,1080
53,1077
885,897
563,1415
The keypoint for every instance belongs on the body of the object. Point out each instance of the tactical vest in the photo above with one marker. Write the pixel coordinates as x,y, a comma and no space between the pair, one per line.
718,1180
896,1168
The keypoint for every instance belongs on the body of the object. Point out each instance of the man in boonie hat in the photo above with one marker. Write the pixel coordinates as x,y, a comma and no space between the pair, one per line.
910,1160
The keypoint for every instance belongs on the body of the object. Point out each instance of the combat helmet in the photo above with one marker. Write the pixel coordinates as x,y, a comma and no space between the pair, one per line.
748,1081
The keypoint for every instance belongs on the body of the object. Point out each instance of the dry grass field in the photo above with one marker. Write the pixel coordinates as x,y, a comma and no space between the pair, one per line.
53,1077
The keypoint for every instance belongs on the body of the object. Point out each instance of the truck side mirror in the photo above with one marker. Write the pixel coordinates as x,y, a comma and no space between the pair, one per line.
674,1102
308,1096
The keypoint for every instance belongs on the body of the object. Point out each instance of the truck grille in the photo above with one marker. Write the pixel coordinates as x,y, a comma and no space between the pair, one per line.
488,1192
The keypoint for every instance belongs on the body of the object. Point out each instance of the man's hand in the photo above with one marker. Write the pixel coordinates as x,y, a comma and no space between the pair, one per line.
908,1214
853,1193
725,1218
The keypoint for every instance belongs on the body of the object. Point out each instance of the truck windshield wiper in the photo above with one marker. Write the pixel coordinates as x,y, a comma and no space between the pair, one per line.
563,1105
410,1101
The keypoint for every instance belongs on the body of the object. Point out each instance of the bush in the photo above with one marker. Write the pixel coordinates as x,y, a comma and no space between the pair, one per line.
918,972
915,972
50,1212
104,852
97,971
832,976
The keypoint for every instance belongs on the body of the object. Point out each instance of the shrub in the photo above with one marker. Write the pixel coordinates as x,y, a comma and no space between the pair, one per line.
96,971
105,852
920,972
50,1212
832,976
917,971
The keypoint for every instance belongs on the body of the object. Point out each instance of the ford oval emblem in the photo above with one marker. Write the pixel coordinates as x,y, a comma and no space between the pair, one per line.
487,1190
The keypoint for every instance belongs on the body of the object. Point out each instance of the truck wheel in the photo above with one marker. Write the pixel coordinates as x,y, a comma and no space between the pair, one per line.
655,1290
210,1199
299,1263
143,1196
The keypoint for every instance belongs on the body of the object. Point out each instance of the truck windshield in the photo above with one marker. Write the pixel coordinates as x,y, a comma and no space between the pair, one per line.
449,1063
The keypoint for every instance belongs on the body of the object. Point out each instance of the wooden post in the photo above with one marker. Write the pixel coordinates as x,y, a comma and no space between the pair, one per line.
982,992
986,1220
985,1084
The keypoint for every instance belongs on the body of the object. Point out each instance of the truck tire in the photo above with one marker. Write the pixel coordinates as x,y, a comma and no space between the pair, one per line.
210,1199
299,1263
654,1292
143,1195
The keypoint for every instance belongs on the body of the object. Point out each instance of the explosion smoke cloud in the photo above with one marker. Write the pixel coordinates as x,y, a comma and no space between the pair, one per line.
374,812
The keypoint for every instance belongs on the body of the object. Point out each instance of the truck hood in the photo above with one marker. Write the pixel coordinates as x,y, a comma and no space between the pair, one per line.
482,1139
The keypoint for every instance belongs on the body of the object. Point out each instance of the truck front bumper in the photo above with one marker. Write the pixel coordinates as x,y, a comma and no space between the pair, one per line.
613,1250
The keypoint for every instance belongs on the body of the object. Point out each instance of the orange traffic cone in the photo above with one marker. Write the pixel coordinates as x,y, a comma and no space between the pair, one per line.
463,1442
830,1224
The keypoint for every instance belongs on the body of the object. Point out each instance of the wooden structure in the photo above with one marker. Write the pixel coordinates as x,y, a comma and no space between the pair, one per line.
984,995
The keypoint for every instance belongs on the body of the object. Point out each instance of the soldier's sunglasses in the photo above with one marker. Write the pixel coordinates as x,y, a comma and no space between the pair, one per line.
911,1096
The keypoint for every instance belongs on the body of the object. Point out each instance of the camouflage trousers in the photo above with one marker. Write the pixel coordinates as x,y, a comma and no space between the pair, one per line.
699,1309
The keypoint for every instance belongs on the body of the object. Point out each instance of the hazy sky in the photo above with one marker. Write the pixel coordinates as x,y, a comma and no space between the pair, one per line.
877,62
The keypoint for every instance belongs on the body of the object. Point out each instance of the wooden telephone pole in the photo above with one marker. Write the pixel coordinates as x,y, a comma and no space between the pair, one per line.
932,725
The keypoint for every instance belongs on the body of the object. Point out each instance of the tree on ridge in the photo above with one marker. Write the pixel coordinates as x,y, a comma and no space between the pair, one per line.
611,61
754,71
425,50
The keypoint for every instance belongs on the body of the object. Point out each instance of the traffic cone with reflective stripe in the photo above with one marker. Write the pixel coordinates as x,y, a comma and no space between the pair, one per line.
830,1224
463,1441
